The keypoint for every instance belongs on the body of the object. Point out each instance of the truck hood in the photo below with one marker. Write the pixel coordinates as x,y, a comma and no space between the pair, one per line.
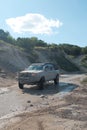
31,71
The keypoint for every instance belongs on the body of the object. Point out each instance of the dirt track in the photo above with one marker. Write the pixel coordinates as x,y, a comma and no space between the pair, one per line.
51,109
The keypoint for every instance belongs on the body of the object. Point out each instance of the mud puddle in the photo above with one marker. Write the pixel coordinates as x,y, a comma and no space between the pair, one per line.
65,88
14,101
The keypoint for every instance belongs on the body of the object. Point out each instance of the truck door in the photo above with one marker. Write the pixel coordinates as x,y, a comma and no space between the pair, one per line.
49,72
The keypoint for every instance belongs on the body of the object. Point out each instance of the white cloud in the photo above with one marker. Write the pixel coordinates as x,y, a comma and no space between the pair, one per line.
33,23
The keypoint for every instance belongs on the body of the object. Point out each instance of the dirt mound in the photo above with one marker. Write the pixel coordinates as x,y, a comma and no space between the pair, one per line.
11,58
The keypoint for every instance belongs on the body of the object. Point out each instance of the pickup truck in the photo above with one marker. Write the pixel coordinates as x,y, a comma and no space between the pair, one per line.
38,73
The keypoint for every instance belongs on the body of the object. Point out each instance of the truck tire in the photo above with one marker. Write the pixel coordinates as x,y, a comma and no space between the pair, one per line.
41,83
56,80
21,86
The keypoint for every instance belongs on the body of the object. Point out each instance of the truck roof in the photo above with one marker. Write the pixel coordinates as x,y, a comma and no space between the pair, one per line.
43,63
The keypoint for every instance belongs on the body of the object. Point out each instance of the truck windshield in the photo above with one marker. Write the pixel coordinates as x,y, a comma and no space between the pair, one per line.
35,67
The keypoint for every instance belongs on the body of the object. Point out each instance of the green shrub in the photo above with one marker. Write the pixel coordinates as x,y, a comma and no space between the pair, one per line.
84,81
84,61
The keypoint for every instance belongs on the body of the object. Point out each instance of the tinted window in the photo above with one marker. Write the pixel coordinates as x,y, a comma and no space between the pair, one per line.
35,67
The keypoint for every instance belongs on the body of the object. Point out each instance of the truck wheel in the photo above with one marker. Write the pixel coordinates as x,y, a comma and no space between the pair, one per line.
41,83
56,80
20,86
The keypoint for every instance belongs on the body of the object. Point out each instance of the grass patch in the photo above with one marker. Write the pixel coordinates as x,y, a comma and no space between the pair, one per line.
33,57
84,61
84,81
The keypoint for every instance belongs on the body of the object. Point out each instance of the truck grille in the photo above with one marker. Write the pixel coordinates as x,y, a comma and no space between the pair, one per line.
25,75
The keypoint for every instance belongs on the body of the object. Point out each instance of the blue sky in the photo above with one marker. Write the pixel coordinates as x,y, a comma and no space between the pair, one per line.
53,21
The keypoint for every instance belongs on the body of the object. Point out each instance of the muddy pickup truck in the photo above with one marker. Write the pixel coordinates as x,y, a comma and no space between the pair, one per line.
38,73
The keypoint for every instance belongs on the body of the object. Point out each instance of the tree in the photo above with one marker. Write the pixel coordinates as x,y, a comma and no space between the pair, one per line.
24,43
71,49
84,50
5,36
